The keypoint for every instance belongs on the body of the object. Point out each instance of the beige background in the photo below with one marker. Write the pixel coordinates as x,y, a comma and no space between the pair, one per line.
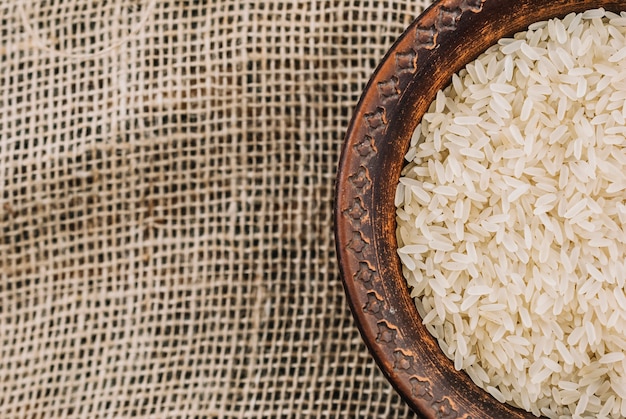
166,184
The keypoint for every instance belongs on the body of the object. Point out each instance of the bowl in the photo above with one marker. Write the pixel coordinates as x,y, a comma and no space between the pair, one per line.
446,37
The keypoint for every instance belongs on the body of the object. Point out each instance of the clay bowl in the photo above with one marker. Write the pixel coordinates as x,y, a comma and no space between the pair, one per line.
446,37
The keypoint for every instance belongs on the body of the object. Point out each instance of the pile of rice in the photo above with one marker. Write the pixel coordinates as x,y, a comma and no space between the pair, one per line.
511,215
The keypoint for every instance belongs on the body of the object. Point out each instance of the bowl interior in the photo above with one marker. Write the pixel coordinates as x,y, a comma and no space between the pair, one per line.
446,37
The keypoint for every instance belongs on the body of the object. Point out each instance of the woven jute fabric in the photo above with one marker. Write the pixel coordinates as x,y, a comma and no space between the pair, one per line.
166,174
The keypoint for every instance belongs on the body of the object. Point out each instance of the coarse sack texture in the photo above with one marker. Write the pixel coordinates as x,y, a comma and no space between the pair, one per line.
166,182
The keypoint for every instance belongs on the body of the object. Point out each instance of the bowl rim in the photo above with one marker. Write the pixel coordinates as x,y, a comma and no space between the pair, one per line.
372,155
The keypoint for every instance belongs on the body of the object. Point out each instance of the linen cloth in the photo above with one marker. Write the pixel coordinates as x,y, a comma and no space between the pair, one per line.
166,183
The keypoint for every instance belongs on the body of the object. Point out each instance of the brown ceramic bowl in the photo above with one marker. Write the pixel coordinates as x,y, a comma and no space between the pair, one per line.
446,37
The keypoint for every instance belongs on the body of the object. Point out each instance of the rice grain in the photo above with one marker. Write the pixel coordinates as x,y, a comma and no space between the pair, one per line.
511,218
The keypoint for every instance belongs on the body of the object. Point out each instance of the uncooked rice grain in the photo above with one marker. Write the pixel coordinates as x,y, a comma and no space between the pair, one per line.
511,218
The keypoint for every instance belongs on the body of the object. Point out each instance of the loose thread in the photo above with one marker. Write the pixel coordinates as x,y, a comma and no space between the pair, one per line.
39,43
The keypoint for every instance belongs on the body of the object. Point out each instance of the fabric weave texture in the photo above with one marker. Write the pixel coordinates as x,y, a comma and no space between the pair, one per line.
166,184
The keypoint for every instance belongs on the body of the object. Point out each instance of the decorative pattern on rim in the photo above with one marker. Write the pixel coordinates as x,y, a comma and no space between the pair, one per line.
359,248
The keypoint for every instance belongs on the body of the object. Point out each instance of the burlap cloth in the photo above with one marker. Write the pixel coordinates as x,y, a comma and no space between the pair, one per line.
166,175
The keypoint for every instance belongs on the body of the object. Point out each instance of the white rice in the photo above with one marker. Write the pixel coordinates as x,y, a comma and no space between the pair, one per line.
512,214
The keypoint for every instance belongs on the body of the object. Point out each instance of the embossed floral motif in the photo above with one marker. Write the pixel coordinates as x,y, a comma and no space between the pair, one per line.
356,211
444,410
361,179
366,147
448,18
376,120
374,303
421,388
388,89
426,38
473,5
357,243
403,361
406,62
365,273
385,333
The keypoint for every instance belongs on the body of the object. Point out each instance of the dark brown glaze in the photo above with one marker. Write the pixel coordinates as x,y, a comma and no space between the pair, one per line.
446,37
